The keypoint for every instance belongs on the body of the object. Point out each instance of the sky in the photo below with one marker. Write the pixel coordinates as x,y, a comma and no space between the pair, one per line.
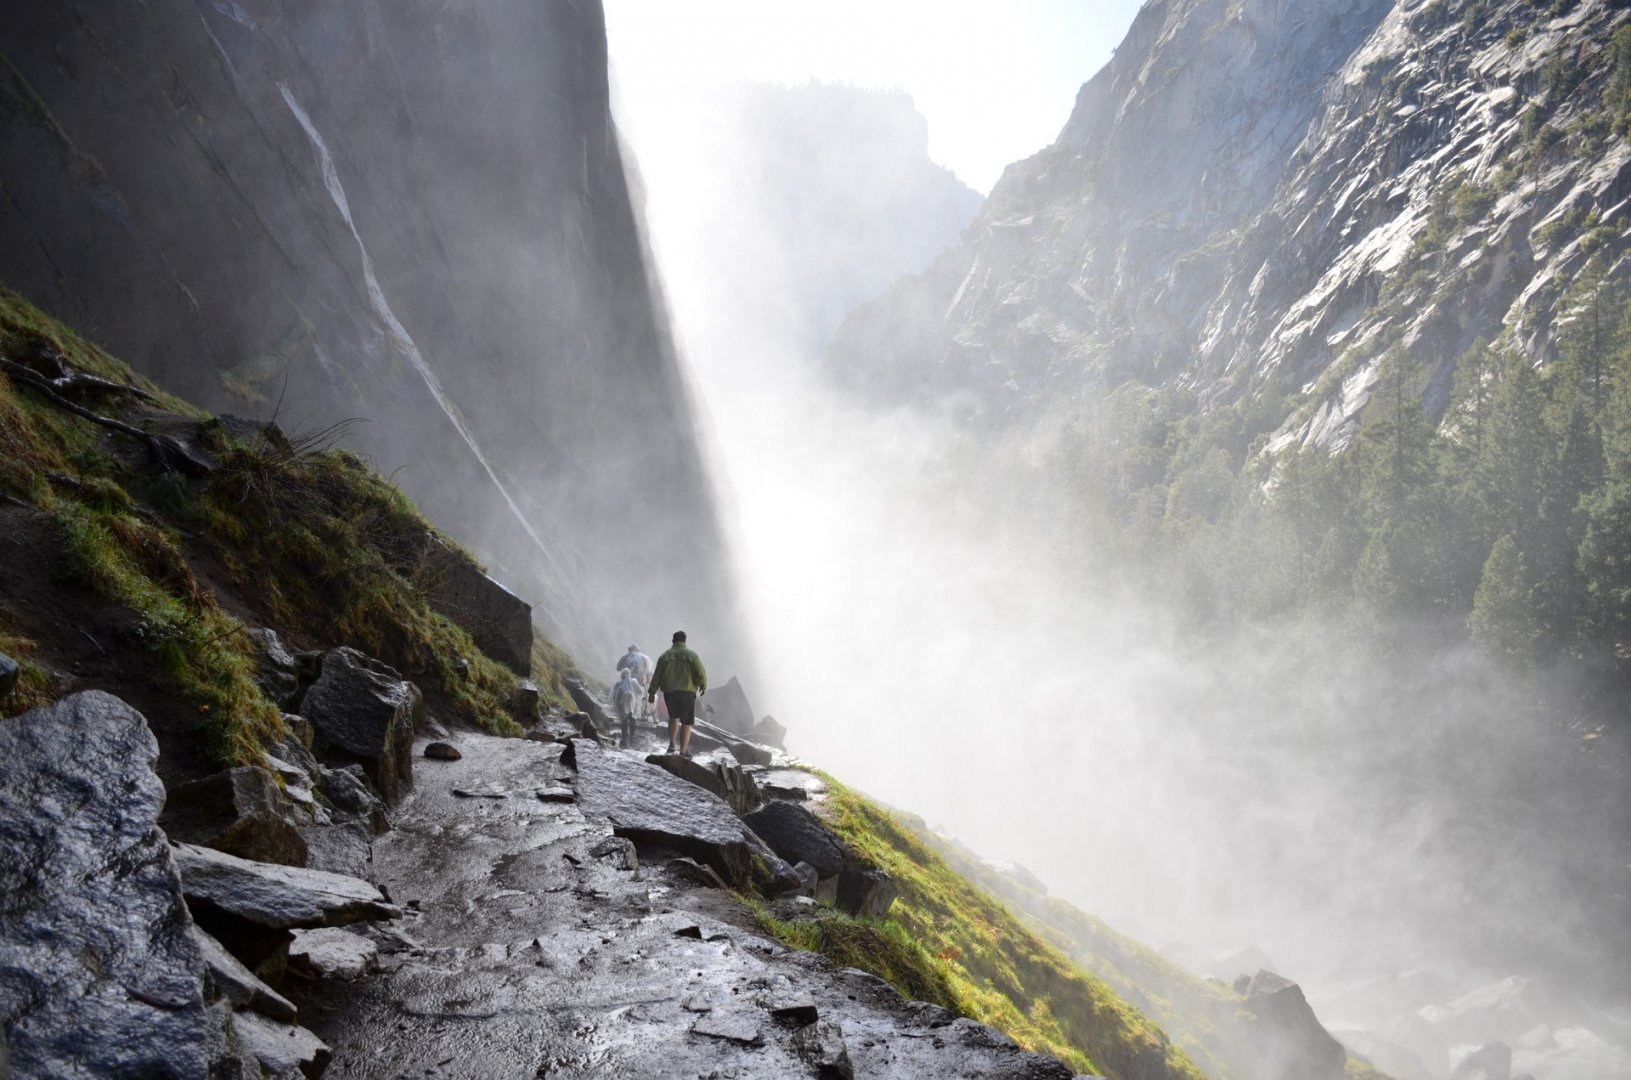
995,82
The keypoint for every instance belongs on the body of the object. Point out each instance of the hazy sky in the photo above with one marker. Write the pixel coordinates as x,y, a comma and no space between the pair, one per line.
996,82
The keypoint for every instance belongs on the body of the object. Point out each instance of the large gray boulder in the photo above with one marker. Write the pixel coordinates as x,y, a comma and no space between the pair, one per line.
798,836
277,670
1291,1042
590,705
242,811
99,972
497,620
251,907
653,807
363,709
724,778
273,896
769,731
727,707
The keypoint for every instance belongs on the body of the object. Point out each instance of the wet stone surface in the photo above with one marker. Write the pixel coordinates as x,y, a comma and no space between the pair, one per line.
522,953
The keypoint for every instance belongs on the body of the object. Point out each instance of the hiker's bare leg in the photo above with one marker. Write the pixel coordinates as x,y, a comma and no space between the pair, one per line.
685,738
673,730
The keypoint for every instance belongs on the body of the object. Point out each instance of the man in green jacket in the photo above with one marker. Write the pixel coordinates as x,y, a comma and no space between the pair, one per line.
680,676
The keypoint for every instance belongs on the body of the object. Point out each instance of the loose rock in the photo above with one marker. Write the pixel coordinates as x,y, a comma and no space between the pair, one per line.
237,985
240,811
250,906
799,1009
866,892
87,873
821,1045
332,953
798,836
652,806
736,1029
367,711
726,780
342,848
347,793
727,706
441,751
770,732
277,671
282,1051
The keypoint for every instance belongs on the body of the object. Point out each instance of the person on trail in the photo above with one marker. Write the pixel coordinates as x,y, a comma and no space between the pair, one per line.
638,664
626,694
681,678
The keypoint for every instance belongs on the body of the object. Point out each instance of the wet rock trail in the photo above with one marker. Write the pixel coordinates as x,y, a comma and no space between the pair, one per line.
536,942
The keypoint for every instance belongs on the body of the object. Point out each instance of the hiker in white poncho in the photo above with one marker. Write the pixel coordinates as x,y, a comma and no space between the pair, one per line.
627,693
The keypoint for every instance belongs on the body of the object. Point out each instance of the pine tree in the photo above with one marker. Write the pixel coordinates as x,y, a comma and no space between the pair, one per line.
1503,621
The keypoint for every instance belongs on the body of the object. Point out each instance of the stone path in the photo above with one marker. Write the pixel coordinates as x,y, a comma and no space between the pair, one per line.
534,944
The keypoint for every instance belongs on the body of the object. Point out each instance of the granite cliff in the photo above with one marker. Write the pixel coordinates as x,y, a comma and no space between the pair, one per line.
418,216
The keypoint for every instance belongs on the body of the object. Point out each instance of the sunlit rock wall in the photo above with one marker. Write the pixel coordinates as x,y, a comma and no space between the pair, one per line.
1259,198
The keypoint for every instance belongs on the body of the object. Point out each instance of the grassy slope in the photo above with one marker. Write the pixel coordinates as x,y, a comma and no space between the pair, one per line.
1201,1014
304,539
948,942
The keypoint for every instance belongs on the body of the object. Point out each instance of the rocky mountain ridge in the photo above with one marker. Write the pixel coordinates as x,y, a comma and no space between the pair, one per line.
1258,200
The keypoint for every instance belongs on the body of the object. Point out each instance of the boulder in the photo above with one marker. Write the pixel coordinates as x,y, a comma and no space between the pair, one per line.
365,710
281,1050
241,811
821,1045
809,878
229,980
866,892
725,779
527,700
770,732
655,808
87,874
688,871
277,671
793,784
278,897
797,836
792,1008
9,672
332,953
251,907
748,753
441,751
727,707
588,703
497,620
584,727
1492,1061
340,848
1290,1041
350,800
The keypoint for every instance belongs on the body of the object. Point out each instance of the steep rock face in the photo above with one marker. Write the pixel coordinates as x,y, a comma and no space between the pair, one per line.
415,214
1243,197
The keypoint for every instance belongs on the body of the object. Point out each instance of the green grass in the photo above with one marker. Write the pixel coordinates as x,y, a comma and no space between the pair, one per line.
947,942
326,551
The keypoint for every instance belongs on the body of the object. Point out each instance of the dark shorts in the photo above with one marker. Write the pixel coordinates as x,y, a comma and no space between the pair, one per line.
682,705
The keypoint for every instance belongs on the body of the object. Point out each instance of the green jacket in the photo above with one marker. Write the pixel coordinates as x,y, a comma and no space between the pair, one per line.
678,669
